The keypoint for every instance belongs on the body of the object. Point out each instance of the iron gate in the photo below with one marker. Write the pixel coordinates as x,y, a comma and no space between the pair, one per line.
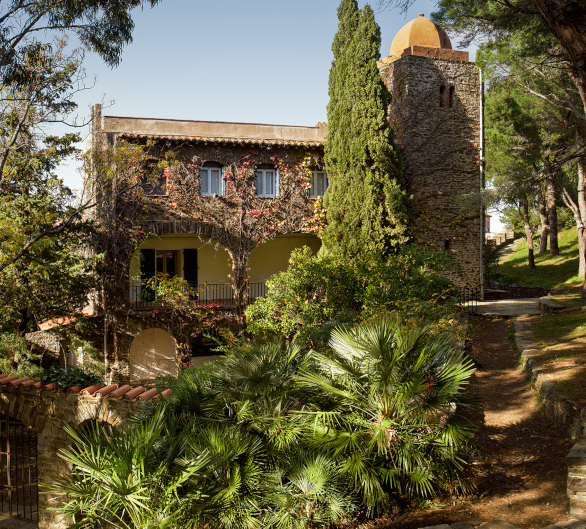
19,492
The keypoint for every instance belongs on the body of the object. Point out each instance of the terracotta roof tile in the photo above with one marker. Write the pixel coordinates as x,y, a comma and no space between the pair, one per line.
148,394
121,392
231,141
106,390
134,393
65,320
19,381
90,390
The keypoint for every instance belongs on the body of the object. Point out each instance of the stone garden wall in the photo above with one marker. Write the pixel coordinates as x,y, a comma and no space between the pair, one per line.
48,409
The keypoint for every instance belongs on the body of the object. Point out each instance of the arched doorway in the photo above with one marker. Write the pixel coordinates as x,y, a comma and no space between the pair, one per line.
19,479
152,354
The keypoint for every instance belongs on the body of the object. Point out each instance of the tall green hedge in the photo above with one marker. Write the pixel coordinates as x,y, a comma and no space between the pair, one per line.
367,209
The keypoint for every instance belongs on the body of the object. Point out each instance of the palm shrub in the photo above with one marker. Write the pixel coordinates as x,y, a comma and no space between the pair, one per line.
127,480
247,413
390,420
281,437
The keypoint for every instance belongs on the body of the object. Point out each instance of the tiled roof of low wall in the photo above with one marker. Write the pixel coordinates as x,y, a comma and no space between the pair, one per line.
110,391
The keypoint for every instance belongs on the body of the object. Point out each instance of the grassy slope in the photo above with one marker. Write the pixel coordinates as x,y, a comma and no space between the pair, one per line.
554,272
562,337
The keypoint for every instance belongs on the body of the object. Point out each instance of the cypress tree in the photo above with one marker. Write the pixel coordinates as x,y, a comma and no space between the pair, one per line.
367,211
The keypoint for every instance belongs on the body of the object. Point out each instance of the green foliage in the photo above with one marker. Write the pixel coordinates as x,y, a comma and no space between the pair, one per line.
71,376
174,291
17,357
125,480
280,437
390,420
554,272
46,266
316,294
104,28
367,211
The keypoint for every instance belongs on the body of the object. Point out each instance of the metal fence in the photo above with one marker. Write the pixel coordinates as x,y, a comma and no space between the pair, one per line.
469,298
19,492
204,294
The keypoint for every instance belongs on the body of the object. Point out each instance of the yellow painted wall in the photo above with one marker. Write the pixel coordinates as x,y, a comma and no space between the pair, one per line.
213,262
199,360
273,256
152,353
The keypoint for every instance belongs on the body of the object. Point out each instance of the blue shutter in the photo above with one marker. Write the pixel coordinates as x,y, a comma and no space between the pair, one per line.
277,190
258,181
203,173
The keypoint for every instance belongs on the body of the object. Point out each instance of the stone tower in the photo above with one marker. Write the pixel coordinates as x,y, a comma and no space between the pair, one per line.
436,111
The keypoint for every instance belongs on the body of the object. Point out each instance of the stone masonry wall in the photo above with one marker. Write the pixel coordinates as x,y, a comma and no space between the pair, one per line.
48,412
577,479
441,153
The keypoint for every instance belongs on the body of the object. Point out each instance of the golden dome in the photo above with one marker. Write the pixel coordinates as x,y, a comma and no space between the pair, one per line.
420,32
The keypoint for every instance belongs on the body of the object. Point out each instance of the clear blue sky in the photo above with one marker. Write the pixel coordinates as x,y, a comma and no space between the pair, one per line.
263,61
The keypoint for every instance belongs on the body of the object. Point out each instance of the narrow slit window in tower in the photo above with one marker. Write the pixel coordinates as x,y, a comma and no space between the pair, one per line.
442,100
451,97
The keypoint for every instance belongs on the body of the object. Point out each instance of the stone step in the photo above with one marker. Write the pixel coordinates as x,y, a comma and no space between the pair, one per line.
499,524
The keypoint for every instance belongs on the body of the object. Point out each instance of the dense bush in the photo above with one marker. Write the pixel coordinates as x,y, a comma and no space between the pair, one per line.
317,293
71,376
281,437
17,356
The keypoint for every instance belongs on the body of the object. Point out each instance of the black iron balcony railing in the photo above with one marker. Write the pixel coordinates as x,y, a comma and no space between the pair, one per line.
204,294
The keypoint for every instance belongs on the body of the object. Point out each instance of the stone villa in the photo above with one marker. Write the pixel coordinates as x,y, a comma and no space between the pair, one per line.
221,206
227,208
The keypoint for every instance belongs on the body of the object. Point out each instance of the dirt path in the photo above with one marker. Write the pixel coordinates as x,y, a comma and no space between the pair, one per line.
521,473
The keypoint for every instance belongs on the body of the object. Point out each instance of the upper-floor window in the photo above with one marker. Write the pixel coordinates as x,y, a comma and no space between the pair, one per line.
153,178
319,183
267,182
211,181
446,97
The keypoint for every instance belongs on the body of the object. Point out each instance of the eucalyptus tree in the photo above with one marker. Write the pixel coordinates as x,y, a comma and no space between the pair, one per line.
39,75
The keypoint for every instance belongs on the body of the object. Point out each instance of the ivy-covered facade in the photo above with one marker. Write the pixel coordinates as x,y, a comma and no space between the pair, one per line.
195,217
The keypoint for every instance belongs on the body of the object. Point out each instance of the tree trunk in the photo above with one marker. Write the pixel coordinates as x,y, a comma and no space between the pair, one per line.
567,20
528,233
579,211
581,218
544,221
551,209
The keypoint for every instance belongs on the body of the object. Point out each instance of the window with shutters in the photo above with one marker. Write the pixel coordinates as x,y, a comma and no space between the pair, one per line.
266,182
166,262
153,179
319,183
211,179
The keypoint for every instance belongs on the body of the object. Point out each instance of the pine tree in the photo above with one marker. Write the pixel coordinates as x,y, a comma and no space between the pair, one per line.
367,211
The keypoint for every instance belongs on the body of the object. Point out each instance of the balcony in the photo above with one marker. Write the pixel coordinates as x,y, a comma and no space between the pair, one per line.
218,295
